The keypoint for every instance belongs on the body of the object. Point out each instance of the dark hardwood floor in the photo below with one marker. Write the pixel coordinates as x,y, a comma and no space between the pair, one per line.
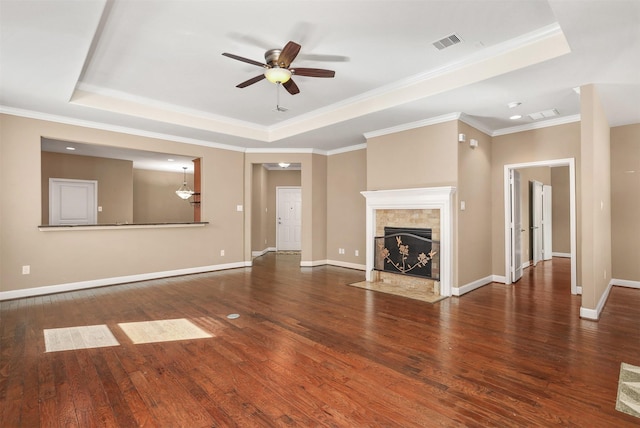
308,350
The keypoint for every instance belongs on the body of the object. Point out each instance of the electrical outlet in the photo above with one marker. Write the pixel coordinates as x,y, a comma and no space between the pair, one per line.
26,270
357,253
222,252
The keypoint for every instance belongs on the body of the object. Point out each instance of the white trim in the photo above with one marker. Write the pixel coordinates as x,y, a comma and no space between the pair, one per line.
594,314
625,283
113,128
313,263
499,278
537,125
565,255
579,290
438,198
526,265
71,227
348,265
347,149
284,150
263,252
571,163
412,125
81,285
474,285
469,120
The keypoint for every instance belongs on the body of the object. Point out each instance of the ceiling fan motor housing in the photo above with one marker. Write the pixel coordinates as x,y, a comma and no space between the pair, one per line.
271,57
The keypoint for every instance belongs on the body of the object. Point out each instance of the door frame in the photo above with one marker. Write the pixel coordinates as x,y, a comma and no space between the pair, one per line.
571,163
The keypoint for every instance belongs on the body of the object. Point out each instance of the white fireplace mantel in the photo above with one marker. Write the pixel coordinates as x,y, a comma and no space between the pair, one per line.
436,198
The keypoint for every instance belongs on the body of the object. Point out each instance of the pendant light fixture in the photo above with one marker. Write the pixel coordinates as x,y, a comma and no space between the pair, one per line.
184,191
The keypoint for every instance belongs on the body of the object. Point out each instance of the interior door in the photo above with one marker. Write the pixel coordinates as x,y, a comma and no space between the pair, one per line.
73,201
547,225
536,221
289,218
516,226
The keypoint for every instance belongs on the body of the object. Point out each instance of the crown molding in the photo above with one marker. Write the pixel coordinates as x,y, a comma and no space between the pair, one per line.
413,125
537,125
347,149
31,114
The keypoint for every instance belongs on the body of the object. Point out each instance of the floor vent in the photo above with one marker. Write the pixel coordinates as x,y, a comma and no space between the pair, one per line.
451,40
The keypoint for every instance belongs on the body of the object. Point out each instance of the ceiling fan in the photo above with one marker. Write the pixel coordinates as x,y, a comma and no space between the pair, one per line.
278,70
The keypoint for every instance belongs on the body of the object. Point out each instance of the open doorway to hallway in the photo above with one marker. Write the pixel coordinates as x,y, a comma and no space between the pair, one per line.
515,231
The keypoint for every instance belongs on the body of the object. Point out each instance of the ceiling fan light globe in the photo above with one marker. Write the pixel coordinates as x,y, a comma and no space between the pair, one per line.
277,74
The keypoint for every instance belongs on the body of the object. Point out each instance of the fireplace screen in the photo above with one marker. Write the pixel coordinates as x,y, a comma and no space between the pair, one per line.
407,251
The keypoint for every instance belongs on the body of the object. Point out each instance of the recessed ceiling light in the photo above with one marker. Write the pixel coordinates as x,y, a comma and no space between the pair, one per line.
70,148
513,104
284,165
170,160
515,117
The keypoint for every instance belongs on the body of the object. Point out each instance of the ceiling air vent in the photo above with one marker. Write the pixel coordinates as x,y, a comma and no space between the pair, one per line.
544,114
451,40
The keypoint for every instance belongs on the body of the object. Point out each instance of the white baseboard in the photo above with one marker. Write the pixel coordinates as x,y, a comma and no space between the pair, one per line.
347,264
73,286
499,278
566,255
263,252
459,291
625,283
594,314
313,263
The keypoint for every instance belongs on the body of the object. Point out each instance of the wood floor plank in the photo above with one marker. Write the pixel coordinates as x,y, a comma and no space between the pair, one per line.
308,350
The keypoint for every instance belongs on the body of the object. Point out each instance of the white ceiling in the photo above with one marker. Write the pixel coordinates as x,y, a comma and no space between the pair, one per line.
156,66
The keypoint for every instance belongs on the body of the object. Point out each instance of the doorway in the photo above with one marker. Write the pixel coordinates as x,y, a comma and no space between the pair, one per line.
289,218
510,256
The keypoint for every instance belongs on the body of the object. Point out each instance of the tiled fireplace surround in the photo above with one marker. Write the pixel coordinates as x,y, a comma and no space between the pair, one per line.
421,207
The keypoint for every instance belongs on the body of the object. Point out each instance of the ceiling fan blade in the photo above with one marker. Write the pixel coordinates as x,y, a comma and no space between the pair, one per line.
243,59
313,72
250,81
288,54
291,87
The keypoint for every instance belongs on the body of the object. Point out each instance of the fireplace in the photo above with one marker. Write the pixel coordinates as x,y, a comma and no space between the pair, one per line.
407,251
420,208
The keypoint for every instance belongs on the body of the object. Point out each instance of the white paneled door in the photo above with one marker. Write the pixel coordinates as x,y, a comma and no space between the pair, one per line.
289,218
73,201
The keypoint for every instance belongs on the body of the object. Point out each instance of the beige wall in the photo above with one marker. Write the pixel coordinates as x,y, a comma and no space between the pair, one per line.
557,142
625,202
277,178
114,177
83,255
421,157
596,198
473,236
319,207
560,216
258,208
155,199
346,178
